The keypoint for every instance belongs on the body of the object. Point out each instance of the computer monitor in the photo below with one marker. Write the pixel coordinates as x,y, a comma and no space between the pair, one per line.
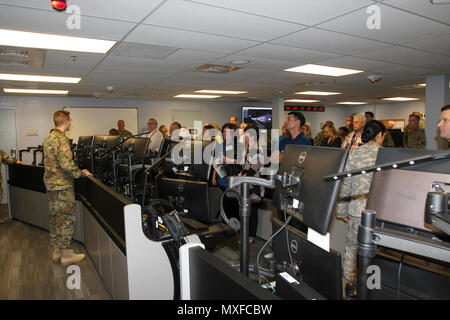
212,279
313,197
193,159
191,198
399,196
106,141
320,269
137,145
85,141
388,155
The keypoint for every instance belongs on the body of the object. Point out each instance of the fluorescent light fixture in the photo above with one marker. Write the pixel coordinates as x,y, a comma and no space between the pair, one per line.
197,96
35,91
318,93
36,78
323,70
352,102
301,100
221,91
54,42
400,99
422,84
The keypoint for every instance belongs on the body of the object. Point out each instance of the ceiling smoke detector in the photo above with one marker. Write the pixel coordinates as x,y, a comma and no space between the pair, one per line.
374,78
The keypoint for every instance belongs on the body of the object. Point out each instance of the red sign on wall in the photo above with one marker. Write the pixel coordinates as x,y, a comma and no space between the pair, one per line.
304,108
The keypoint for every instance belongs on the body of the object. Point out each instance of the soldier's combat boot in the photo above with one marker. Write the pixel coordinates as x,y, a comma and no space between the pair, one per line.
56,254
69,257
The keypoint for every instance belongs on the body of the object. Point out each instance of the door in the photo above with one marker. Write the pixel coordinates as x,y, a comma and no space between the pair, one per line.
7,141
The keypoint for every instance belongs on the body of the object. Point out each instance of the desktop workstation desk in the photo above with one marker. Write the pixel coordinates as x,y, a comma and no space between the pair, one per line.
99,220
131,265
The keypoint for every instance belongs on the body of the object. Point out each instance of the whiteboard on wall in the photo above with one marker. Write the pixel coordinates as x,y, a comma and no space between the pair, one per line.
98,121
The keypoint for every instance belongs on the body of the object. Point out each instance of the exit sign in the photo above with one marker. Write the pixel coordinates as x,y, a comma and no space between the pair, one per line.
304,108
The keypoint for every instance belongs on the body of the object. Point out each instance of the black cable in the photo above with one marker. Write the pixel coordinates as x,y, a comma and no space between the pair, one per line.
222,211
398,276
288,246
267,242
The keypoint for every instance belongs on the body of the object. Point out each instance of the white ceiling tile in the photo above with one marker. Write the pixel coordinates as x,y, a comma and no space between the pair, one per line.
374,66
324,40
133,11
283,53
186,39
440,45
396,26
63,60
411,57
201,18
303,12
424,8
24,19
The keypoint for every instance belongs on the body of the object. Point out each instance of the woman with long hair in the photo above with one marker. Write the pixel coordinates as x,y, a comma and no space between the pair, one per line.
331,136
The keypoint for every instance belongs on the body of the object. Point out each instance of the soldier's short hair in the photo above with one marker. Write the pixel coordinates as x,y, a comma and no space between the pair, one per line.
445,108
415,115
60,116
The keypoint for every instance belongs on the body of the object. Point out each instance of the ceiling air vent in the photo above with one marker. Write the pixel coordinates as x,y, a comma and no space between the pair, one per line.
214,68
19,57
312,84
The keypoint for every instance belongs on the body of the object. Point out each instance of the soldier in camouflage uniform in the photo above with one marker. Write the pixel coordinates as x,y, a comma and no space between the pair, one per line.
354,193
60,170
4,158
388,141
414,137
122,131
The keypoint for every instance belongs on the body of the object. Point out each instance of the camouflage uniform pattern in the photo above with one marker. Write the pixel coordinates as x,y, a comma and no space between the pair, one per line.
125,133
60,170
318,139
388,141
62,217
414,139
4,158
352,201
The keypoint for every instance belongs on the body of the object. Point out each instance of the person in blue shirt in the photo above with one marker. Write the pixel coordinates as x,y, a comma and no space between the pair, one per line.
294,123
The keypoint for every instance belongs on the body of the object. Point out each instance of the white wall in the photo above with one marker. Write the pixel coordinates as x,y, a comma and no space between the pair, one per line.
37,112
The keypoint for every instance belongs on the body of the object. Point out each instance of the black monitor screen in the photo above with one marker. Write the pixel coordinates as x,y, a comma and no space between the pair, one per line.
388,155
193,158
258,115
137,145
189,197
106,141
85,141
315,197
320,269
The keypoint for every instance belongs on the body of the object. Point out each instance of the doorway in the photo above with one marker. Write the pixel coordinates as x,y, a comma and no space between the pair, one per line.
8,141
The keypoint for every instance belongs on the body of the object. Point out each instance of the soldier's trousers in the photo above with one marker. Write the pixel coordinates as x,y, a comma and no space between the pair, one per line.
62,217
351,249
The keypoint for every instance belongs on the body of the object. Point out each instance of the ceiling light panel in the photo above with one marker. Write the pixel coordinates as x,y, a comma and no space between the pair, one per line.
400,99
318,93
53,42
37,78
221,91
35,91
301,100
323,70
197,96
